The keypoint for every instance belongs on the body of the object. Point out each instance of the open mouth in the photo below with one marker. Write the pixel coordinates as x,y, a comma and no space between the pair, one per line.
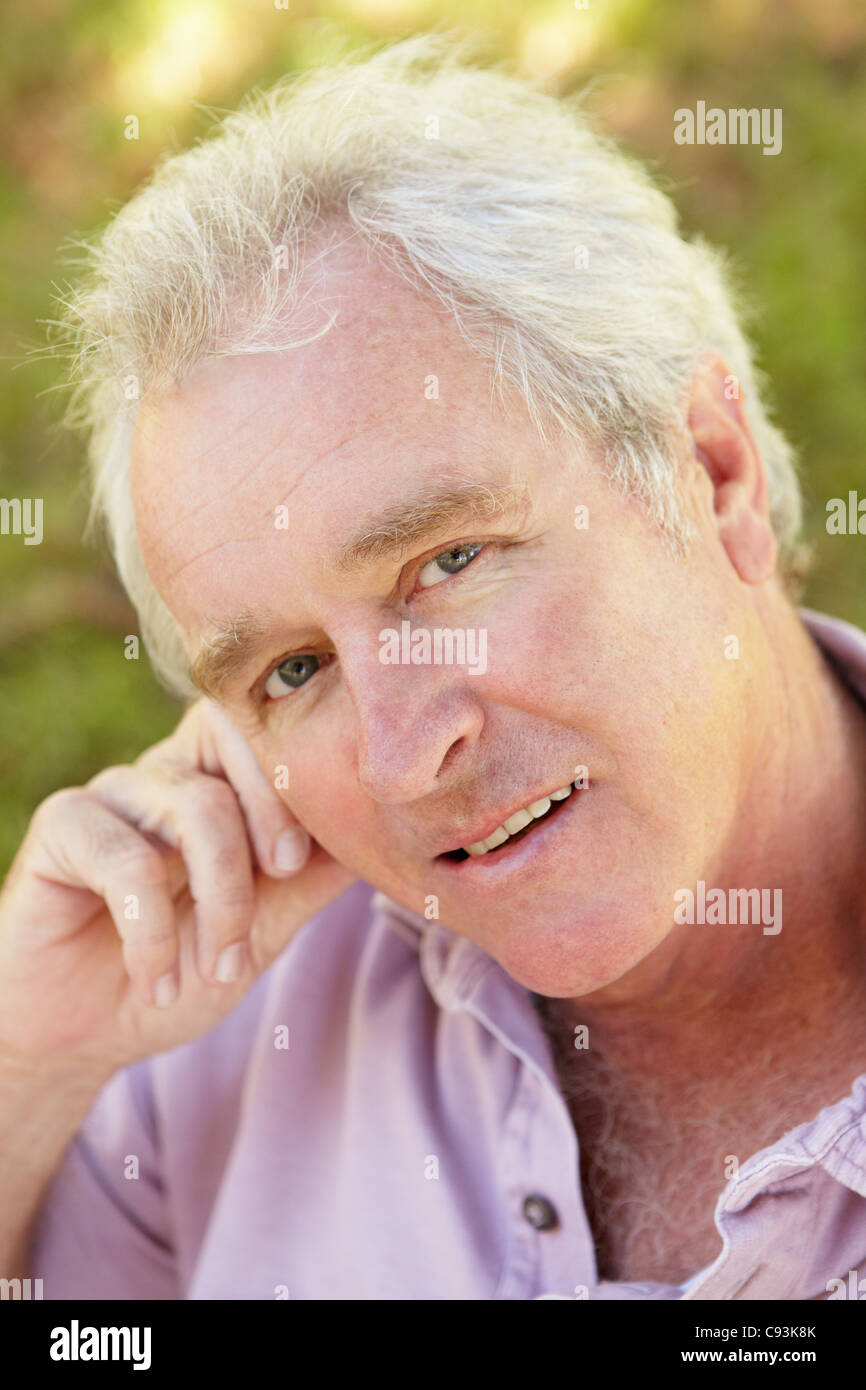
523,822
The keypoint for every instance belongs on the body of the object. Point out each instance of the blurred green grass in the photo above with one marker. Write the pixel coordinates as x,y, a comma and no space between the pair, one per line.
69,701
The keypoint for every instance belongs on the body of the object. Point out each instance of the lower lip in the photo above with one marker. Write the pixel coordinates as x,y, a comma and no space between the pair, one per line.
510,858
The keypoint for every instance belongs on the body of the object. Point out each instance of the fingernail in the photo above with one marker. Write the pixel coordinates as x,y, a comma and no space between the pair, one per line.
230,964
165,990
292,849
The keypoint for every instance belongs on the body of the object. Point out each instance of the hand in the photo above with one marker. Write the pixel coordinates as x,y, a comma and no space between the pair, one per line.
141,907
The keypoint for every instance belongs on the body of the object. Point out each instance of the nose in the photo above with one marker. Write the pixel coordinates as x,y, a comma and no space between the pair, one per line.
413,723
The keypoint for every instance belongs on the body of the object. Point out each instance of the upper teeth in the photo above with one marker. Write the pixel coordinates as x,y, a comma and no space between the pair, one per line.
518,821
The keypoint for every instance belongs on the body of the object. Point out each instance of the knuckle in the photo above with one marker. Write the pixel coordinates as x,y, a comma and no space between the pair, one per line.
108,778
131,857
59,804
161,763
210,798
232,885
151,941
236,900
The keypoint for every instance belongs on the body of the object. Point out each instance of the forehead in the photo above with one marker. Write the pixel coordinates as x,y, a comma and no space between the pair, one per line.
390,397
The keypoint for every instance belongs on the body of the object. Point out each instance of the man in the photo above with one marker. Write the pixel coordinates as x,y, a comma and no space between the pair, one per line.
499,706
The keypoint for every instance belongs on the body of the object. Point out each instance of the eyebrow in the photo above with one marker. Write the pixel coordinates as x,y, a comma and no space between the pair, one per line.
221,656
434,511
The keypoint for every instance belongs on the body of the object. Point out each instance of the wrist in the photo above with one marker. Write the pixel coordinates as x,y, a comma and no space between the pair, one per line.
44,1101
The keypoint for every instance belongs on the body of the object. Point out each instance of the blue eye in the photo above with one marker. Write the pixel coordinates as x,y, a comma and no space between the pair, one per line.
295,671
448,563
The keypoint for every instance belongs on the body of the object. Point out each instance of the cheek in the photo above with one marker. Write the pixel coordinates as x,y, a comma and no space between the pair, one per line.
319,766
534,651
635,663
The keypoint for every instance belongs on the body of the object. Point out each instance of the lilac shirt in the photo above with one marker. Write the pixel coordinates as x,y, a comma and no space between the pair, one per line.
388,1152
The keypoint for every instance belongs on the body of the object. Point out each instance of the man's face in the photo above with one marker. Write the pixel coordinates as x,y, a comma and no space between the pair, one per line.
603,650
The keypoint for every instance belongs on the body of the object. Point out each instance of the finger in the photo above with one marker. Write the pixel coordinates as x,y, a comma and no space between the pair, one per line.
79,843
280,842
200,816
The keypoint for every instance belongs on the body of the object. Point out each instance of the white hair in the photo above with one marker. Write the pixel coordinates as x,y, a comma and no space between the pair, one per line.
558,256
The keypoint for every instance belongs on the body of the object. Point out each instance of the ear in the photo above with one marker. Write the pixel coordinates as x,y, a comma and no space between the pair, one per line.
723,444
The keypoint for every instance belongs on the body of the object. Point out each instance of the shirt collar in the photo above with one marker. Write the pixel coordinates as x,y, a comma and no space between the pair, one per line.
452,966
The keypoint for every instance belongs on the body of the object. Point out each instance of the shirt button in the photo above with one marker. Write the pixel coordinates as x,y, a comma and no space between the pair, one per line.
540,1213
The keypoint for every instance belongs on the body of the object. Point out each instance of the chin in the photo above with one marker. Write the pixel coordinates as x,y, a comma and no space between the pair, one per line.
575,954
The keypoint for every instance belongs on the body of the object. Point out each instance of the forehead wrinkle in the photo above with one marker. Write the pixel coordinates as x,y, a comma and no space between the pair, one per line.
211,549
431,511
